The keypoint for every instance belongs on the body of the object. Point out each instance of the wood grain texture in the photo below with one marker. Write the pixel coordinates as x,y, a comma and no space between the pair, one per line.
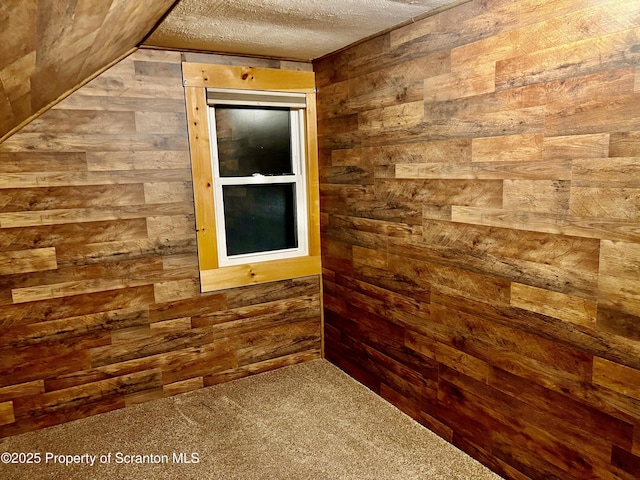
99,281
239,275
481,260
202,177
85,36
251,78
6,413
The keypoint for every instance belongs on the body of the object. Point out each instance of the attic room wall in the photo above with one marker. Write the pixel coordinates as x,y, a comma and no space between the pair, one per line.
99,288
52,47
480,202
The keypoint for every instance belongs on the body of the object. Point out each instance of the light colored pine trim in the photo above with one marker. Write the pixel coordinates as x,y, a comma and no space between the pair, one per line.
197,77
313,180
197,118
259,272
246,78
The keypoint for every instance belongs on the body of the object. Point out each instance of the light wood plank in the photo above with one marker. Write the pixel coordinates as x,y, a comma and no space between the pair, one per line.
22,390
527,147
80,178
176,388
615,172
369,257
549,223
91,278
587,54
573,309
605,203
176,290
620,259
620,378
154,122
313,180
6,413
466,81
24,261
168,192
170,326
202,177
446,151
576,146
170,226
228,277
82,121
403,115
487,193
249,78
79,215
109,161
543,196
97,143
521,170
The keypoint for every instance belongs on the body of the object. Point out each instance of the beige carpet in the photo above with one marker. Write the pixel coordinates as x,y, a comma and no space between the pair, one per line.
307,421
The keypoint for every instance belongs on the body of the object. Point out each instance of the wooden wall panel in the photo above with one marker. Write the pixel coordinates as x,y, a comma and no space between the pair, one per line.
99,286
51,48
482,260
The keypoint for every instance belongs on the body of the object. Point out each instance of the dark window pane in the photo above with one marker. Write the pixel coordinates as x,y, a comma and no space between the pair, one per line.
259,218
253,140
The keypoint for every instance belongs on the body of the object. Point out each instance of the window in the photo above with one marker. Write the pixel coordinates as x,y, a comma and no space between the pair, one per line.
254,157
257,150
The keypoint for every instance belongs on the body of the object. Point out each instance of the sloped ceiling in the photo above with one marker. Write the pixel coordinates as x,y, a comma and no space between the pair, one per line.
48,47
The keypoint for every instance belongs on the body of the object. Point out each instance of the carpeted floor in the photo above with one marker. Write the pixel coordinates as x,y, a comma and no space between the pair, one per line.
307,421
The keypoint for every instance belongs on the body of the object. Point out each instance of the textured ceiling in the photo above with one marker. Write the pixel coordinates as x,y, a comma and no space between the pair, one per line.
291,29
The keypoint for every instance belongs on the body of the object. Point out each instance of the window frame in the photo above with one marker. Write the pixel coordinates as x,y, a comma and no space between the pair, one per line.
197,78
297,178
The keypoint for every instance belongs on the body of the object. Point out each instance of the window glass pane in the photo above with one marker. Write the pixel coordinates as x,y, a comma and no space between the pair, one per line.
253,140
259,218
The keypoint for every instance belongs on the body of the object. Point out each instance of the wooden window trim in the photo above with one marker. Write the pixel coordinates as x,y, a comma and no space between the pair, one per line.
197,78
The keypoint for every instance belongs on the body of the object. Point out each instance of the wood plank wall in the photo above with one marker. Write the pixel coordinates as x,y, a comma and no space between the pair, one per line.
100,305
480,202
50,48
